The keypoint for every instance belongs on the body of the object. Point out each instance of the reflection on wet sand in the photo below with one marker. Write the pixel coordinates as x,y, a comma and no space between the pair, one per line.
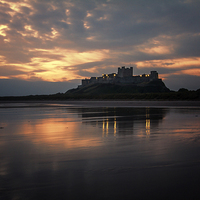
123,121
148,126
99,153
56,131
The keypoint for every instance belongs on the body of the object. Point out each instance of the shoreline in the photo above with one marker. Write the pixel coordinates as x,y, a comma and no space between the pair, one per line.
99,103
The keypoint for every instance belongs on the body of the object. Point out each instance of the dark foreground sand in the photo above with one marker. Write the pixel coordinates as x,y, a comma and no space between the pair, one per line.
92,103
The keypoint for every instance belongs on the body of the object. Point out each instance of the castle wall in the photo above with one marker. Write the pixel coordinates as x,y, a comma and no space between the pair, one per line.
125,72
85,81
154,75
124,76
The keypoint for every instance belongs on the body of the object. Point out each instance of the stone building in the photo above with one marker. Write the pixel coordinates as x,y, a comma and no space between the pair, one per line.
125,72
124,76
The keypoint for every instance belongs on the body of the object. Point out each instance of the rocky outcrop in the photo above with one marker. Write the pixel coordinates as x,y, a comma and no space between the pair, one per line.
156,86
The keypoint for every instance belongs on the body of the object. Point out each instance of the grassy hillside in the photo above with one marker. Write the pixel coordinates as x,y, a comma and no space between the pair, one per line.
103,89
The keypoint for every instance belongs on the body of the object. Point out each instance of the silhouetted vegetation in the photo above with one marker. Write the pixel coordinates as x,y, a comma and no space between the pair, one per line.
183,90
186,95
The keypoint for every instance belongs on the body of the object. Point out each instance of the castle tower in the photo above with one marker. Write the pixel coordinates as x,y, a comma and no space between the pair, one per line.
154,75
125,72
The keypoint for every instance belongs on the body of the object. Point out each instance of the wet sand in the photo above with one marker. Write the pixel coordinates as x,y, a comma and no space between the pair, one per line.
134,103
57,150
102,103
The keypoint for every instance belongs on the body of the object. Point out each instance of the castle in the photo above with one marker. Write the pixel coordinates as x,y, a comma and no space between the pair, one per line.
124,76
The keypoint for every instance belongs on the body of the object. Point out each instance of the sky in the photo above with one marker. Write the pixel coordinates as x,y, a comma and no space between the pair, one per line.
48,46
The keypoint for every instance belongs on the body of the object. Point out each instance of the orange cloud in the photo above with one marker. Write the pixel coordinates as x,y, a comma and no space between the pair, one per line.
91,70
194,72
170,63
3,29
16,6
158,50
50,69
157,45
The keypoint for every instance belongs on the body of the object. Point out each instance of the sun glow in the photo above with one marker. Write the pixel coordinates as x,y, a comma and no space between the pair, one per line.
56,64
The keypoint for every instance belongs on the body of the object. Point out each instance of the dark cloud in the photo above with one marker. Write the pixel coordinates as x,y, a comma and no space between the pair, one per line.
44,17
188,46
4,16
25,10
112,23
18,22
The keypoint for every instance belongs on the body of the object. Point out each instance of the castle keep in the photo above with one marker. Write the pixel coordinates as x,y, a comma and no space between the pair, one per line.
124,76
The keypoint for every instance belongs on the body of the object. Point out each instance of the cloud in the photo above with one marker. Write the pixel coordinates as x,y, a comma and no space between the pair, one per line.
63,40
9,70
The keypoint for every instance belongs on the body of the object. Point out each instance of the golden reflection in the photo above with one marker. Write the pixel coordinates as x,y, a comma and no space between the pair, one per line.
59,132
103,128
107,128
148,126
147,122
115,127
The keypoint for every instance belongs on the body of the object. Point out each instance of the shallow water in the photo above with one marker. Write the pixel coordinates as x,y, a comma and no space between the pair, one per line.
67,152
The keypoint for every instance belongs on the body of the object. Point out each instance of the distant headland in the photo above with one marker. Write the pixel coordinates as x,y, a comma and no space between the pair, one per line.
121,85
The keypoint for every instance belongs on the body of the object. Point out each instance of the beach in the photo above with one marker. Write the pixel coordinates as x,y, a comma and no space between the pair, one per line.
99,150
103,103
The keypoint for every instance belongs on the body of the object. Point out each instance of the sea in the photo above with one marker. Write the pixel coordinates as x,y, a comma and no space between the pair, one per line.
65,151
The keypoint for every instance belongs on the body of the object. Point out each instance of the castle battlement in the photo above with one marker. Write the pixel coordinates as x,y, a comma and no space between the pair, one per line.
124,76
